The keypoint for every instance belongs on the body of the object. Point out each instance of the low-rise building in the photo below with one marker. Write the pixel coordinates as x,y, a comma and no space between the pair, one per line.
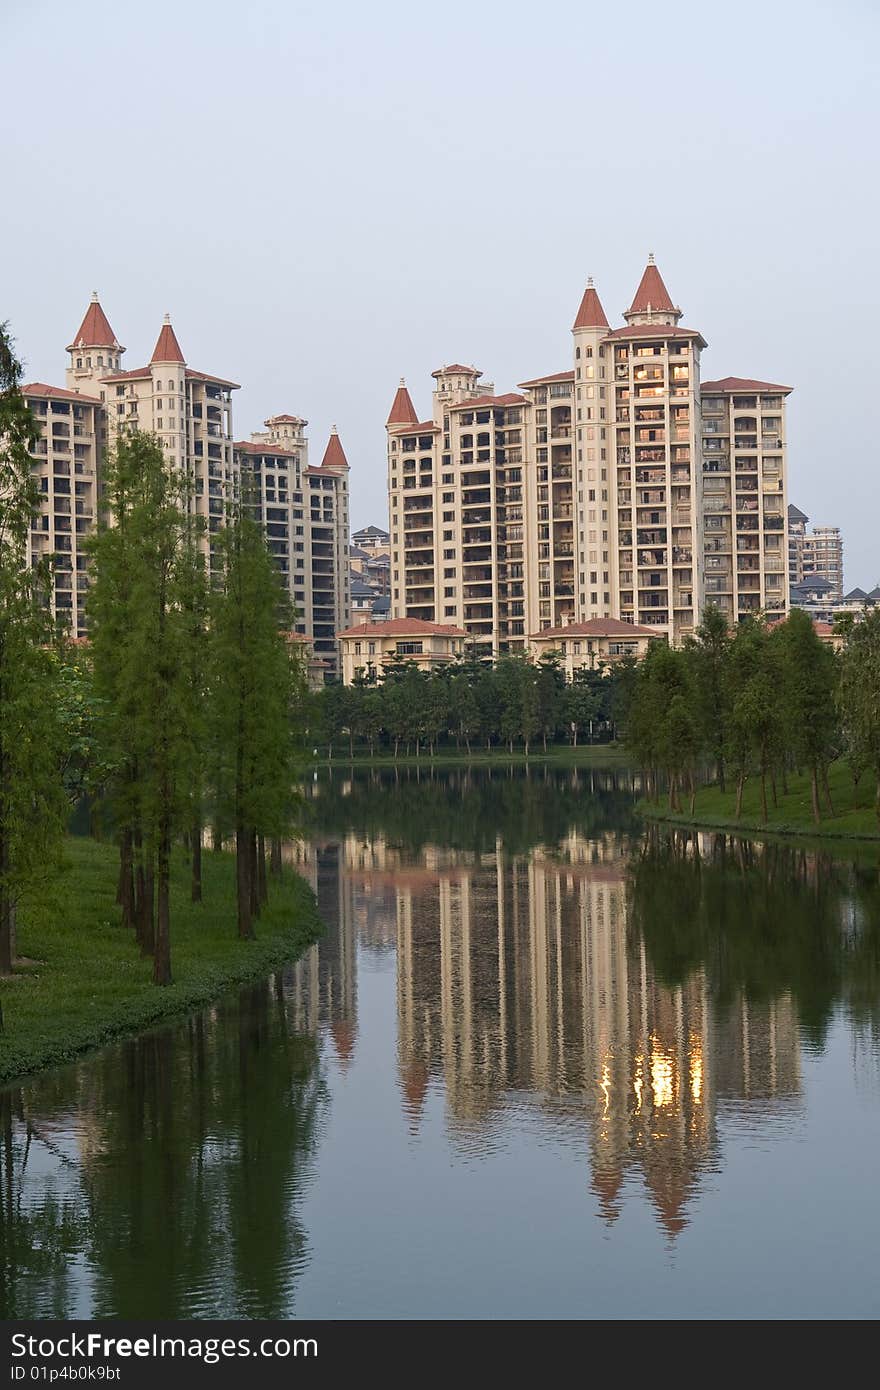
370,647
593,645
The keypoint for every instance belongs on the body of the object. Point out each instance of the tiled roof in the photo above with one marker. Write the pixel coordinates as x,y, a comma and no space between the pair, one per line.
95,331
402,412
510,399
136,374
590,314
253,446
44,392
655,330
285,420
457,367
597,627
334,454
795,513
404,627
651,293
855,596
192,375
417,427
543,380
167,347
729,384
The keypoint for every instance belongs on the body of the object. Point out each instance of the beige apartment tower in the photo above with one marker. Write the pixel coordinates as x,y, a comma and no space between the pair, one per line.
745,502
304,512
577,497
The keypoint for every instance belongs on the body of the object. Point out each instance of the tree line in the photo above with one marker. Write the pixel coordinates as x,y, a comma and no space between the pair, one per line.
468,704
178,713
757,701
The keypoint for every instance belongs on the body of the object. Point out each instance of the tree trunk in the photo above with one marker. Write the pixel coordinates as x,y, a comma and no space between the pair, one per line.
763,796
827,790
773,789
740,784
147,931
254,880
692,789
243,883
162,951
196,885
216,839
814,795
275,858
125,895
262,885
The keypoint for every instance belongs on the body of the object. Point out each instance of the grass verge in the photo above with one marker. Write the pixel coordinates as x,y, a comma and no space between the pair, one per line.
586,755
854,816
82,981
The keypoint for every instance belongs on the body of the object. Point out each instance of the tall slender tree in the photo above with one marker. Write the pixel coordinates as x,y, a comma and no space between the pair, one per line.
32,803
255,689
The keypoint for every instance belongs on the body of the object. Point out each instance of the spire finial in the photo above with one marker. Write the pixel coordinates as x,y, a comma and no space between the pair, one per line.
94,296
403,381
333,429
167,318
650,258
589,282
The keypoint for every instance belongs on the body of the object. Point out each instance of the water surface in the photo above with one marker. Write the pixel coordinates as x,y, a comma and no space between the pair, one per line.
543,1063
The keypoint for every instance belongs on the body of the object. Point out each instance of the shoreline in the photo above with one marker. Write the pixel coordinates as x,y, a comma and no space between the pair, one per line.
596,754
81,983
854,820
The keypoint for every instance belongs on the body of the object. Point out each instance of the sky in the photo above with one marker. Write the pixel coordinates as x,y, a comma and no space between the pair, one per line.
329,196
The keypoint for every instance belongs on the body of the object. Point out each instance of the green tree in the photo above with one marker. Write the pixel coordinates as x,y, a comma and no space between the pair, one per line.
709,652
140,638
859,696
32,803
255,705
809,681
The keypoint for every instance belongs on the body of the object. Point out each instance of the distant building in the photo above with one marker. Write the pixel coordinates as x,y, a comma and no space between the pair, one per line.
372,539
370,647
819,552
304,511
592,645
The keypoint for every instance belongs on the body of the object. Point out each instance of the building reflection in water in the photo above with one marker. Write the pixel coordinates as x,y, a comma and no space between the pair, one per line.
520,981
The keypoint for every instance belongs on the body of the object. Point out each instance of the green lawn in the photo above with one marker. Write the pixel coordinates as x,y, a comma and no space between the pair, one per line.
854,815
82,980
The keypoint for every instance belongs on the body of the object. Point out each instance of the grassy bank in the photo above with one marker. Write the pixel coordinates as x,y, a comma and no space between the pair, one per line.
562,754
854,815
82,981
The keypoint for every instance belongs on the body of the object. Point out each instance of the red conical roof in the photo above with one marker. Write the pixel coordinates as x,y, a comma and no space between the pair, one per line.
334,454
94,331
167,347
590,314
651,291
403,412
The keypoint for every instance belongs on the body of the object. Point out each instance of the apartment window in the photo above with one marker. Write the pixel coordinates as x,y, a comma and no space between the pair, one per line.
410,648
449,555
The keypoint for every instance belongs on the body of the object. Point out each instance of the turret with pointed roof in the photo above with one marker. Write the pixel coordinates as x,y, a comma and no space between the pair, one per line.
334,454
402,412
651,302
95,330
167,347
590,314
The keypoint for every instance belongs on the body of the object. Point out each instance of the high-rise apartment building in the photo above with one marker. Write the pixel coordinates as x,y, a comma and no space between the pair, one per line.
579,496
304,511
744,496
66,466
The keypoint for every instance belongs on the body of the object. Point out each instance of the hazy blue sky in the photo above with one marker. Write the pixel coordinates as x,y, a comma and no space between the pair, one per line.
328,196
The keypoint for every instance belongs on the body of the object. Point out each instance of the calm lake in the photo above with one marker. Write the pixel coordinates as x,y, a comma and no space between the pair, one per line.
544,1063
